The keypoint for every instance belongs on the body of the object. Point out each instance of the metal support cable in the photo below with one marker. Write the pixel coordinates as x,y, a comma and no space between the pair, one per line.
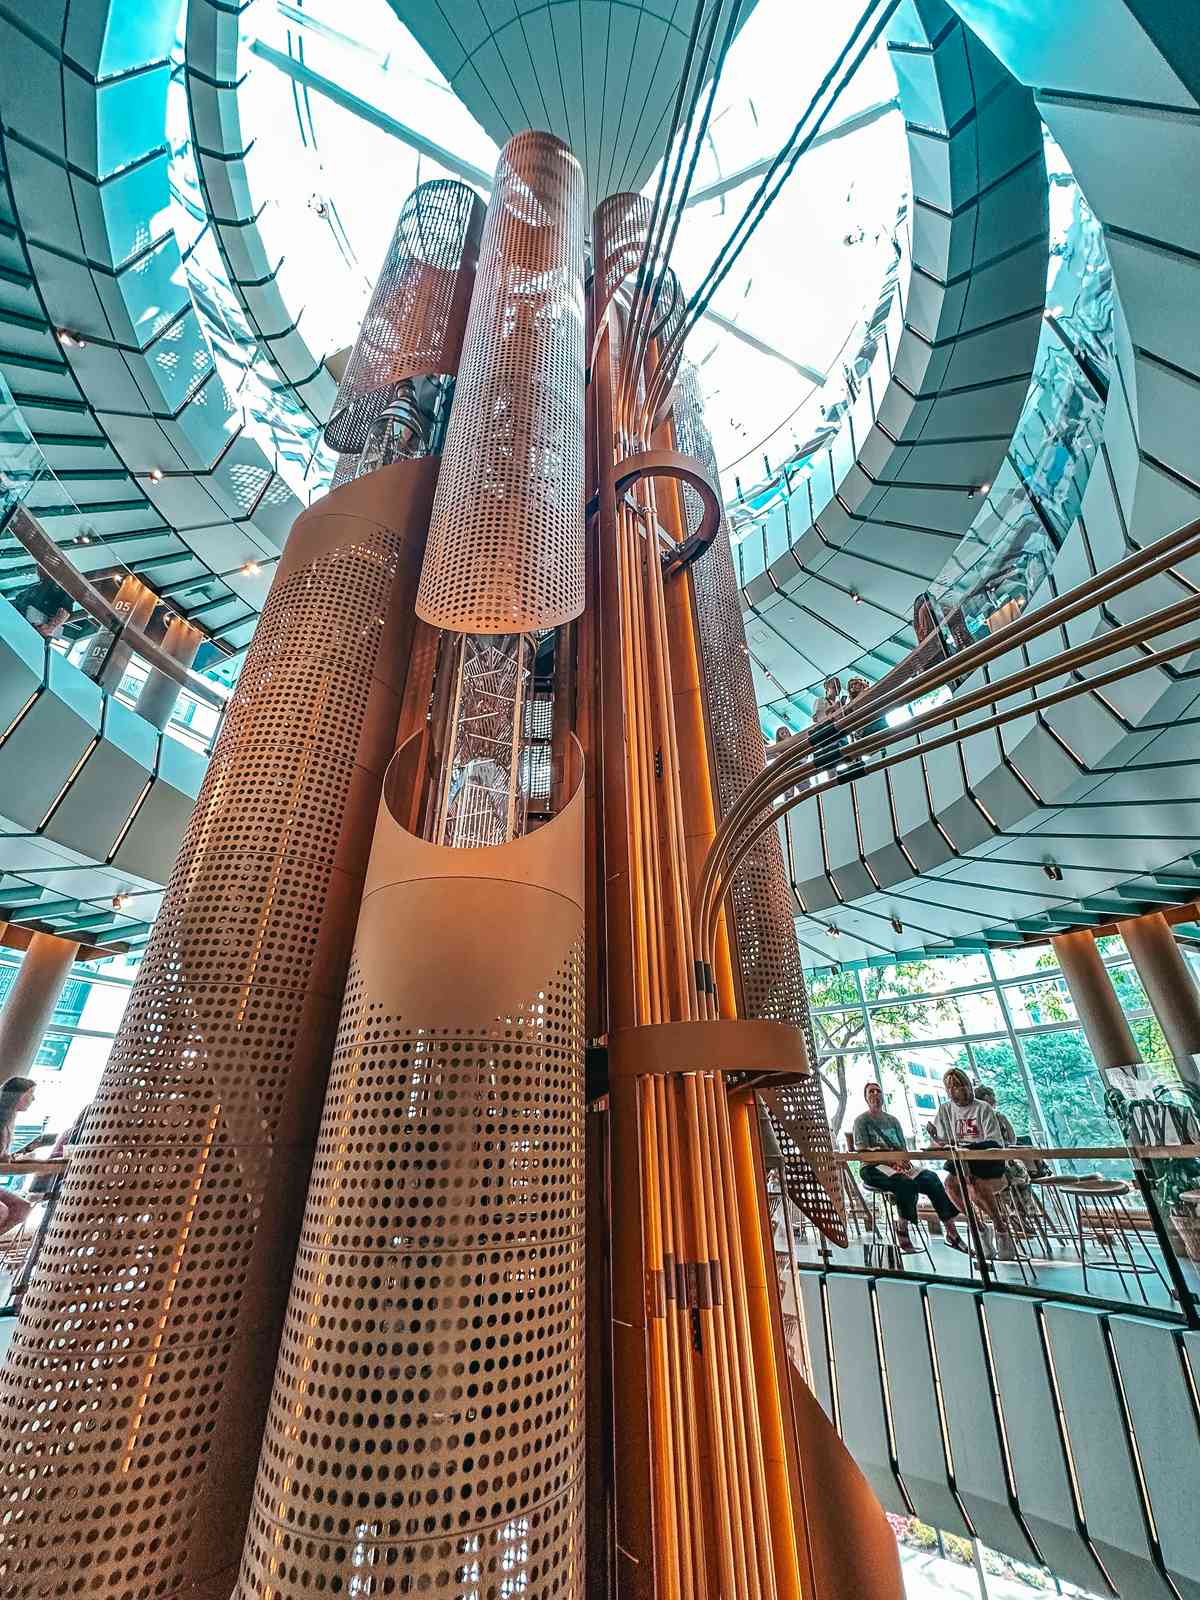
661,253
765,195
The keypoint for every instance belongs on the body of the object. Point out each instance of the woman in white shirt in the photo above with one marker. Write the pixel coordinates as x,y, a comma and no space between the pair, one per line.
965,1123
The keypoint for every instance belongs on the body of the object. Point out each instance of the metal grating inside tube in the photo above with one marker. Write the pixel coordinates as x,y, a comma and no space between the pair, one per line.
415,322
505,549
764,929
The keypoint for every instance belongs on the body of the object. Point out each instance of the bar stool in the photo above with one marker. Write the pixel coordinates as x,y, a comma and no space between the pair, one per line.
1103,1219
881,1248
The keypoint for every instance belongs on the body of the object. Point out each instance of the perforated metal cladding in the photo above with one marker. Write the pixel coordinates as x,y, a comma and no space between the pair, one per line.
426,1428
767,954
133,1393
505,550
417,316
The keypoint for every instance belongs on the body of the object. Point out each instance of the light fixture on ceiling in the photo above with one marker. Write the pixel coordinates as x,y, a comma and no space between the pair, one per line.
897,925
1053,871
834,931
977,489
70,340
155,474
856,597
251,569
120,901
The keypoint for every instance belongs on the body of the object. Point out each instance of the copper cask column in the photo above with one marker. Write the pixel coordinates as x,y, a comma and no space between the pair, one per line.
426,1425
45,968
1104,1024
131,1402
1170,987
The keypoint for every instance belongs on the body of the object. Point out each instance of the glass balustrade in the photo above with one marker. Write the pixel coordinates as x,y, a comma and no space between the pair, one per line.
71,584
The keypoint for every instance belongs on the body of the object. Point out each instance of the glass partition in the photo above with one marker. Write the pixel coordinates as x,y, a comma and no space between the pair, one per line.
66,1073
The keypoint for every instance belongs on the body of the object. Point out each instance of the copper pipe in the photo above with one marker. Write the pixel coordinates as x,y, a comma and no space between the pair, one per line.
634,1524
675,1355
418,682
705,1488
722,1393
726,1192
770,1356
731,1569
663,1454
1001,719
623,971
737,1356
645,900
671,805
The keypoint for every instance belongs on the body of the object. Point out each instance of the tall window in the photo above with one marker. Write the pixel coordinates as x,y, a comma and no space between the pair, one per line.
1004,1016
73,1053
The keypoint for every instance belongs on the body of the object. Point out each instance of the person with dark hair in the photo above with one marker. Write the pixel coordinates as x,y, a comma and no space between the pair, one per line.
876,1129
46,605
16,1095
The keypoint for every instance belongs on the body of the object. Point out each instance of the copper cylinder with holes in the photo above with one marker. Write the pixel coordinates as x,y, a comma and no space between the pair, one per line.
505,551
133,1394
426,1425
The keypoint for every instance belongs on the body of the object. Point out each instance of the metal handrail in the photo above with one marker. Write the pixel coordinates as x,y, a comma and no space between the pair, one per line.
29,532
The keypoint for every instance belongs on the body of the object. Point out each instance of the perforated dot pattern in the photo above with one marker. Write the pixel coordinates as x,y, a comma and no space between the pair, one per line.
505,549
619,229
764,929
134,1389
415,322
426,1425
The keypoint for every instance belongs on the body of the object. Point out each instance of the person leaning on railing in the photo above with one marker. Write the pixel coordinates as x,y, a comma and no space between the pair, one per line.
46,605
876,1129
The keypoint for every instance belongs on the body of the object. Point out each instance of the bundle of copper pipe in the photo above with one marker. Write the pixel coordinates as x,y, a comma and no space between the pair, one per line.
722,1514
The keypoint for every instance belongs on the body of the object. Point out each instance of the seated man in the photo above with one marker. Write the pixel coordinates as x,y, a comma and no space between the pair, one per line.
966,1123
877,1129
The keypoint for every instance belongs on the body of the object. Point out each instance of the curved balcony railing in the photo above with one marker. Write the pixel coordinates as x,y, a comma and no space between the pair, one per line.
102,615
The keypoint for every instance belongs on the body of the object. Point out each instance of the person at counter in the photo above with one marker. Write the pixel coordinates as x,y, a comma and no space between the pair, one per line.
964,1122
876,1129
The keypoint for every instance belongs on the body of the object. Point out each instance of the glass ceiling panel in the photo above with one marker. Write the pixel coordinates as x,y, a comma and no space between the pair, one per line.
331,184
816,263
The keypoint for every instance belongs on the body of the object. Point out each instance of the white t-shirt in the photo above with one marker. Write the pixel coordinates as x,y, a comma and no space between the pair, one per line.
974,1123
